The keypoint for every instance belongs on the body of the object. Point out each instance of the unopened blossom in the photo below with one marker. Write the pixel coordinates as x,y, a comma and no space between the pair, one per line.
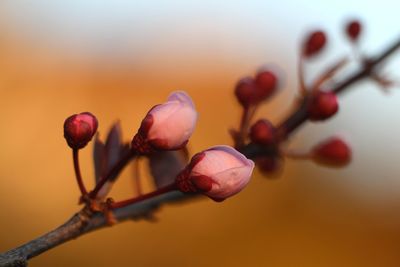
353,30
167,126
252,91
218,172
262,132
322,105
314,43
332,152
79,129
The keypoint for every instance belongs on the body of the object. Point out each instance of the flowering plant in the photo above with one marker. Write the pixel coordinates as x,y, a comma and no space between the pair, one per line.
218,172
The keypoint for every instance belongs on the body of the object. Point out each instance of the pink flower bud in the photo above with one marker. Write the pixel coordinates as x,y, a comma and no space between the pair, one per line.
333,152
267,83
79,129
167,126
314,43
353,30
218,172
322,105
262,132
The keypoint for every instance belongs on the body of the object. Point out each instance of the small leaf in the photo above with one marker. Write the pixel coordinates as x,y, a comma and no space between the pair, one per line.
113,146
107,155
99,158
166,165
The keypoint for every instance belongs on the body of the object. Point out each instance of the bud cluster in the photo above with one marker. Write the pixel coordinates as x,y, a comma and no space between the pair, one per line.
218,172
316,102
252,91
222,171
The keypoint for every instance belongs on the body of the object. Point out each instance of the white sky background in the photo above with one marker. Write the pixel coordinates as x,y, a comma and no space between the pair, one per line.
236,31
118,26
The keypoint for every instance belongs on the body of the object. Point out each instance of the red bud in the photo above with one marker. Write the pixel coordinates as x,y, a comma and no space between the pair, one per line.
353,30
262,132
322,105
314,43
333,152
269,165
79,129
246,92
266,82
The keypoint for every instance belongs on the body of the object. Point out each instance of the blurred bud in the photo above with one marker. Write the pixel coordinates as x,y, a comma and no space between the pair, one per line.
167,126
218,172
266,83
353,30
332,152
245,92
262,132
251,91
314,43
322,105
269,165
79,129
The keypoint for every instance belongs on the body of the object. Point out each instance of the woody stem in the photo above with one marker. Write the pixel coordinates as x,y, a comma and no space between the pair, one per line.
113,172
157,192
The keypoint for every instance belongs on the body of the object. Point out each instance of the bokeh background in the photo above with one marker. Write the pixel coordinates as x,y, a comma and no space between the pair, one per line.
118,58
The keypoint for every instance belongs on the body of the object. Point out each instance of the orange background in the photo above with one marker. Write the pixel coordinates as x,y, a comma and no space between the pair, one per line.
117,59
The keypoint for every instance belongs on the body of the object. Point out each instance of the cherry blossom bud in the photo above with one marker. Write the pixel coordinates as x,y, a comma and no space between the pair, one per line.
269,165
353,30
251,91
246,92
218,172
322,105
333,152
314,43
266,83
79,129
262,132
167,126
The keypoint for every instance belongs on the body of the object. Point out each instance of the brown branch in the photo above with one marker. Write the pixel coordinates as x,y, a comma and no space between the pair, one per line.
297,118
81,223
85,221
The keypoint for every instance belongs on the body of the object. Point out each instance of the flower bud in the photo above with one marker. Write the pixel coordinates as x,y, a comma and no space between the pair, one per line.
314,43
322,105
262,132
333,152
218,172
353,30
266,83
246,92
167,126
79,129
270,166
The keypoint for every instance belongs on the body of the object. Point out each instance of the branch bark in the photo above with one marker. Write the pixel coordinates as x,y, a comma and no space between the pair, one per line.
81,223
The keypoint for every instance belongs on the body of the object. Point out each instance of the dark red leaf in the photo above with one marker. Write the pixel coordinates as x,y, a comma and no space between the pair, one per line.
99,158
165,166
113,146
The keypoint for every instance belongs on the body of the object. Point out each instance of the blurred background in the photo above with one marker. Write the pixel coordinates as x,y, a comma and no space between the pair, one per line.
119,58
